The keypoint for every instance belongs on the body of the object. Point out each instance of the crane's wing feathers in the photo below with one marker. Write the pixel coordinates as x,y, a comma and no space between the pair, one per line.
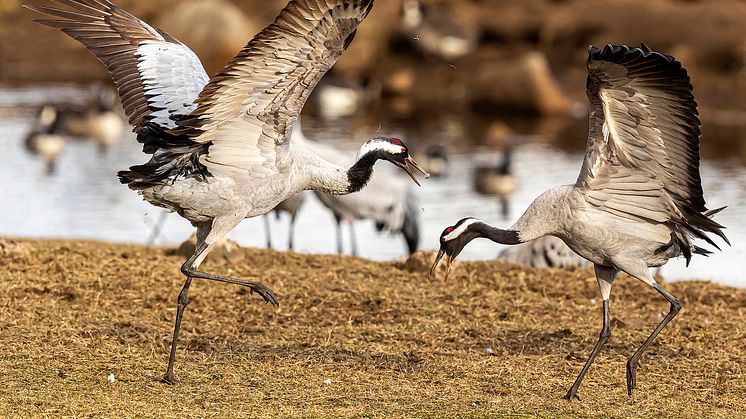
157,77
642,157
246,112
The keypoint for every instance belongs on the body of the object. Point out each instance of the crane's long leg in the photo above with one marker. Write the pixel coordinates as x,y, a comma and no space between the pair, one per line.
291,229
632,362
207,236
183,301
605,277
267,231
157,228
353,239
340,248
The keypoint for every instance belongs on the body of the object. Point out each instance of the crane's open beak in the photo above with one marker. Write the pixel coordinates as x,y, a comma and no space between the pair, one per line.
408,166
449,259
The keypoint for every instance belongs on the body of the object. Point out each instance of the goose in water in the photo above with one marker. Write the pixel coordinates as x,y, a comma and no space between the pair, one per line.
221,147
436,30
45,139
498,180
638,201
434,161
99,121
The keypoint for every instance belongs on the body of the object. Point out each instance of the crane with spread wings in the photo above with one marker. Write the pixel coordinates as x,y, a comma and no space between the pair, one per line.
638,201
220,147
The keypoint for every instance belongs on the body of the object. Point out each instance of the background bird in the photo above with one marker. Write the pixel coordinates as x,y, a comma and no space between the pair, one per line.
45,138
498,180
221,147
544,252
291,206
638,201
99,120
388,200
436,31
434,160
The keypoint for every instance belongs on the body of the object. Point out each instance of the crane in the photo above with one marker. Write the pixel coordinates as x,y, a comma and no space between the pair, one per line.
221,148
638,201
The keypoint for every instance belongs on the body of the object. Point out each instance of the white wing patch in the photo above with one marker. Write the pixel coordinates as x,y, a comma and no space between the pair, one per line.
172,76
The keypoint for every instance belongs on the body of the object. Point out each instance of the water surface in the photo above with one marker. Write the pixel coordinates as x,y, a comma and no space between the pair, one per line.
85,200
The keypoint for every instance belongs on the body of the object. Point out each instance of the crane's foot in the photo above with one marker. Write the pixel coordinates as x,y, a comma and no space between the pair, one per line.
169,379
572,394
264,292
631,375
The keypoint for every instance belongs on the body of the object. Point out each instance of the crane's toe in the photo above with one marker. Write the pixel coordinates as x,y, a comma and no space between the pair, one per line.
572,394
631,376
265,293
169,379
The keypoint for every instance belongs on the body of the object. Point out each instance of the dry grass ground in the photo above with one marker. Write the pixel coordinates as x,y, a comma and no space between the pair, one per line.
351,338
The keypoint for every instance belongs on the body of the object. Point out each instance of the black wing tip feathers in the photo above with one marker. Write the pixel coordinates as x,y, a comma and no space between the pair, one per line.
718,229
618,53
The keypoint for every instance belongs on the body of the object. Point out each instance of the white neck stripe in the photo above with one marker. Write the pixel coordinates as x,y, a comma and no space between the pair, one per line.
461,229
374,145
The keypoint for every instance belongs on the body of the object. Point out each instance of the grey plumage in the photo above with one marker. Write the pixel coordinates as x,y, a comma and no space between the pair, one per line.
638,201
221,149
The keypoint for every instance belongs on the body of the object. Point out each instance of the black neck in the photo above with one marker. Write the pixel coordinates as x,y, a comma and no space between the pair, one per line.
498,235
359,174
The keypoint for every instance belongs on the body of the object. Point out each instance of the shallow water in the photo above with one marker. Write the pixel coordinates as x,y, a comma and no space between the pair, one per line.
85,200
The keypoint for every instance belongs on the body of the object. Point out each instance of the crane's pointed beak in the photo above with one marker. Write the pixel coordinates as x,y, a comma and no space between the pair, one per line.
409,166
449,259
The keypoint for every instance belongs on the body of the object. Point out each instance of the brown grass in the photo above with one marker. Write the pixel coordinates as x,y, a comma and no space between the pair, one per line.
351,338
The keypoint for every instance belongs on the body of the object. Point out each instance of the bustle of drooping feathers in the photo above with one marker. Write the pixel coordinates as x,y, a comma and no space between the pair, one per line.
174,156
697,219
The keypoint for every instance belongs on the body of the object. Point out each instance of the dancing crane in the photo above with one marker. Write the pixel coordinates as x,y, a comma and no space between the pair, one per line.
221,148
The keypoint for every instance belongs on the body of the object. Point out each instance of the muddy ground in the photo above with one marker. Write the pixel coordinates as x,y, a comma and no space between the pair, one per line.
351,338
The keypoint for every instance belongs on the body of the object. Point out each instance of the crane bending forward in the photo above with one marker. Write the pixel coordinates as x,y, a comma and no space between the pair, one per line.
638,200
221,148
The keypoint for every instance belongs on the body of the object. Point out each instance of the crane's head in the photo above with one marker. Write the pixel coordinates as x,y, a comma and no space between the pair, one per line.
453,240
393,150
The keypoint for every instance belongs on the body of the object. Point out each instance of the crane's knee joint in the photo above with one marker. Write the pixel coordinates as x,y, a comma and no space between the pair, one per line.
187,270
676,306
183,299
605,335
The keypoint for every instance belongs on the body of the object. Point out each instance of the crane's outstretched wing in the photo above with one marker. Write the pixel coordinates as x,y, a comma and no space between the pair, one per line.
246,113
642,157
157,77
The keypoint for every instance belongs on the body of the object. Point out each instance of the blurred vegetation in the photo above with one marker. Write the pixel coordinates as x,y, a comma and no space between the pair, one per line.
706,35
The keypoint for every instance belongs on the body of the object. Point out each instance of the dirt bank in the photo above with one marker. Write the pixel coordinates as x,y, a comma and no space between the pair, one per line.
351,337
